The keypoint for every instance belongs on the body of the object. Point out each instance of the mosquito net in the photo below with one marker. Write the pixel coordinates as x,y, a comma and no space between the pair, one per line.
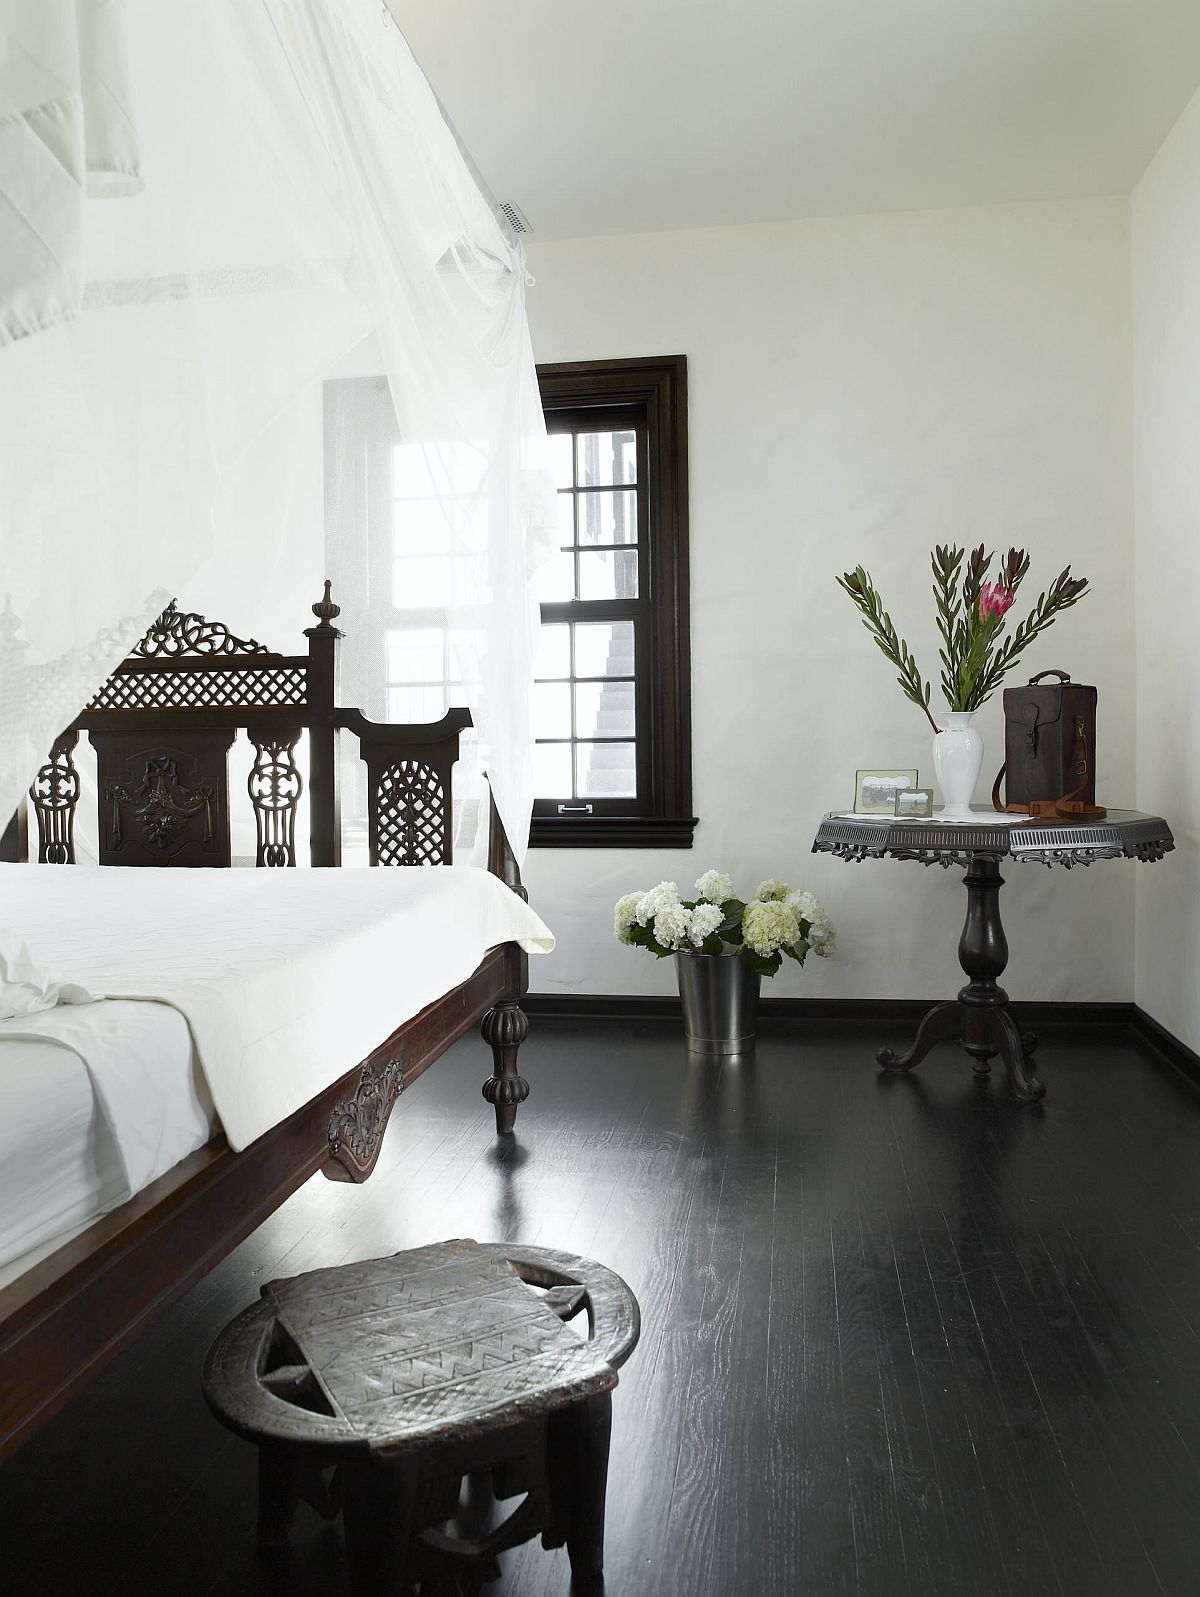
206,209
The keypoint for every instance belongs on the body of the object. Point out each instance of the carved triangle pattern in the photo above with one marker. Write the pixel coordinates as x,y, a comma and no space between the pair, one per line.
427,1345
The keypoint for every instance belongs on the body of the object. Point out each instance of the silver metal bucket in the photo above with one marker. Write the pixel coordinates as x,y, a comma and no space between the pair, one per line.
720,1003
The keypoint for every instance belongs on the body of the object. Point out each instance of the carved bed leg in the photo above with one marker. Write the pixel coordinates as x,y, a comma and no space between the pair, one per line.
504,1029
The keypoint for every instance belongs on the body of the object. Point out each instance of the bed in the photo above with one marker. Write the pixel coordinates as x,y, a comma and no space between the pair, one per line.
250,1027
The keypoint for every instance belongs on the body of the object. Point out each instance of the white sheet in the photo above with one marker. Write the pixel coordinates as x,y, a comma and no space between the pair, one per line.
287,977
60,1164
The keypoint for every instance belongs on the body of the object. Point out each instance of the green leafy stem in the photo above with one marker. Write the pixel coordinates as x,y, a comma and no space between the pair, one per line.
878,623
970,623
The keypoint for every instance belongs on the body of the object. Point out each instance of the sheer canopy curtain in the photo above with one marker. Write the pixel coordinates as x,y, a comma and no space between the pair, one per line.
205,205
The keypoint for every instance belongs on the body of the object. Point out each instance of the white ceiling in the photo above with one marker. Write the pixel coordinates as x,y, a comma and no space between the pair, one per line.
617,116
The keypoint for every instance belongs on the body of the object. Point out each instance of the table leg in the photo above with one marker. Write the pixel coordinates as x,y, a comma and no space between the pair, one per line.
1015,1049
377,1516
942,1023
578,1452
980,1019
276,1495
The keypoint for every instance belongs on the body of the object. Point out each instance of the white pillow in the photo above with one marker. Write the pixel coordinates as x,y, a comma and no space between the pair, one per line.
26,987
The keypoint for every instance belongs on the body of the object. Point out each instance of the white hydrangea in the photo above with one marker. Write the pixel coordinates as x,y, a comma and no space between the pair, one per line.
805,906
625,916
715,886
704,922
663,896
772,889
672,924
769,926
822,939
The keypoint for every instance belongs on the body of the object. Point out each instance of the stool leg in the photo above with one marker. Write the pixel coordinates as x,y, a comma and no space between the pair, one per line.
377,1514
276,1497
579,1441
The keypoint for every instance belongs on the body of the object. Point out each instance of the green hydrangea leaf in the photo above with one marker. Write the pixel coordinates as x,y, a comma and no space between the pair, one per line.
765,966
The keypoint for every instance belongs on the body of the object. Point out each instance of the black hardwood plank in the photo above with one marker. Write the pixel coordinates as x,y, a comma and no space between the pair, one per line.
900,1335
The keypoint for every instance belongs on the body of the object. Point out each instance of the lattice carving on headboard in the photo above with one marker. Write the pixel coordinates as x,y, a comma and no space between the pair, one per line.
261,688
410,815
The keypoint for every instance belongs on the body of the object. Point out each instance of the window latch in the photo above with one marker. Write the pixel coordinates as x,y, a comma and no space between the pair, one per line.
574,809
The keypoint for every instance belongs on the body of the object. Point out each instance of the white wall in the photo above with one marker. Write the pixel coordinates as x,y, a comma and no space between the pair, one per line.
862,388
1166,321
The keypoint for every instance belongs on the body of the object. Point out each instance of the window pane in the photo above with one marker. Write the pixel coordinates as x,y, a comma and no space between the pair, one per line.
606,770
604,649
604,710
429,471
415,471
608,574
608,518
423,526
416,703
552,710
562,459
556,581
554,652
604,458
552,770
416,655
421,581
566,518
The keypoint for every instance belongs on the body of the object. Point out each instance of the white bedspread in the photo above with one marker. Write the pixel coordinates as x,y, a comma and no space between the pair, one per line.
287,978
67,1075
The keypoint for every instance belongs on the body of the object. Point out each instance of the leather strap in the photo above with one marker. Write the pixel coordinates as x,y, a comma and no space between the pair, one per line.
1070,805
998,803
1066,808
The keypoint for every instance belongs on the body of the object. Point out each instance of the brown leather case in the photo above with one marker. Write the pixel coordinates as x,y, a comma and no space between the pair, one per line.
1049,745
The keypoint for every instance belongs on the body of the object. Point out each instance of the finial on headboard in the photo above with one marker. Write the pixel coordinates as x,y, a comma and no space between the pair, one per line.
325,610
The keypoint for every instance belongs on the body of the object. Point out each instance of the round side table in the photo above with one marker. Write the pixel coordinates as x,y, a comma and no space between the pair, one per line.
980,1018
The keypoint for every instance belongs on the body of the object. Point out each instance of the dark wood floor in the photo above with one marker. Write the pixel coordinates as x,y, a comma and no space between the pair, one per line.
900,1335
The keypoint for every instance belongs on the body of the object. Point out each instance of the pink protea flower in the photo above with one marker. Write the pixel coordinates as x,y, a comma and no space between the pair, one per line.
994,600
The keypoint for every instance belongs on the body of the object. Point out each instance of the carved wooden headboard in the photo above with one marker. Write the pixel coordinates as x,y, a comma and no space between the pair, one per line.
162,726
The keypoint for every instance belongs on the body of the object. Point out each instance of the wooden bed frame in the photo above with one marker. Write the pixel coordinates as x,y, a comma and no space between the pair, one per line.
162,726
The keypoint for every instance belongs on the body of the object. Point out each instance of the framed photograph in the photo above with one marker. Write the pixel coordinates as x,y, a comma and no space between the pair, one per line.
913,803
875,791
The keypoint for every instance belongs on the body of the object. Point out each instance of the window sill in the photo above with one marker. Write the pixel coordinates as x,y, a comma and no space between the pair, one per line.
612,831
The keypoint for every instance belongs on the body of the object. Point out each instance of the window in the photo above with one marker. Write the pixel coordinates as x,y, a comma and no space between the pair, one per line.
611,714
611,707
374,481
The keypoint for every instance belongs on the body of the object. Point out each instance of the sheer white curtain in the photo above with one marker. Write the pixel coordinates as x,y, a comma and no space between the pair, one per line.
205,205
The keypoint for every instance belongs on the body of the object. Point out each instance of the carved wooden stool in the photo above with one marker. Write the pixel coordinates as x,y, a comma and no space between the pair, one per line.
375,1389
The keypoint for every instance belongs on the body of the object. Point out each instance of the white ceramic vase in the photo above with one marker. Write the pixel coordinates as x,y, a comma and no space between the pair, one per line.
958,760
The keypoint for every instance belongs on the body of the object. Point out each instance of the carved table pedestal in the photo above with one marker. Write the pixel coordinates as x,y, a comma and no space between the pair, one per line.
980,1018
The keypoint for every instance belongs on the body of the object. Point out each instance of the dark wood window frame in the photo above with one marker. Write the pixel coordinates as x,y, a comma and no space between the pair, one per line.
656,388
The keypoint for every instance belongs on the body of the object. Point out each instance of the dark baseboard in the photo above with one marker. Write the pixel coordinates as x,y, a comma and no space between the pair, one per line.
1164,1043
1135,1022
619,1006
